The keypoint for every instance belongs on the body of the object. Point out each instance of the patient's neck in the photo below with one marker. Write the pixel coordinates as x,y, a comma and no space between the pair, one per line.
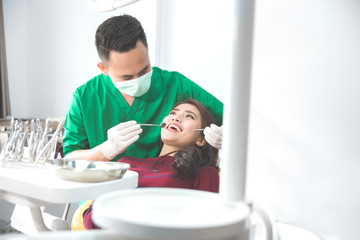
166,149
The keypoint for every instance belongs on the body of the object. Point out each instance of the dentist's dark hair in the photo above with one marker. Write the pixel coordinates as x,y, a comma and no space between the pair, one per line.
189,159
120,34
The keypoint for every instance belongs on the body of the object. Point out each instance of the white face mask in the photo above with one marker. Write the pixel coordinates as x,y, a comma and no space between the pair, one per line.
135,87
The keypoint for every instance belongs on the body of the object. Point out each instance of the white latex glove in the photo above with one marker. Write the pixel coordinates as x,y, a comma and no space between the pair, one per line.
213,135
119,138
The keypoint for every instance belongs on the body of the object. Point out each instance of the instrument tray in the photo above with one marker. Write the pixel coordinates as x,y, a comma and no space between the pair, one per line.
88,171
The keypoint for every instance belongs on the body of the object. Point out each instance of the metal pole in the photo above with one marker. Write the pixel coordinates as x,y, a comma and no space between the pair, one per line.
236,105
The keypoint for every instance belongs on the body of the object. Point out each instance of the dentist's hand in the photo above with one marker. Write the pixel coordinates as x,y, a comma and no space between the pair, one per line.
119,138
213,135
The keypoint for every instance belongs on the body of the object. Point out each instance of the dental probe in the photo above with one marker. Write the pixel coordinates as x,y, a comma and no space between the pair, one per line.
152,125
198,130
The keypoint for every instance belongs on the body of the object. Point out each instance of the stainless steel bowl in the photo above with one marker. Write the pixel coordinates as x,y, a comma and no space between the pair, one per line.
88,171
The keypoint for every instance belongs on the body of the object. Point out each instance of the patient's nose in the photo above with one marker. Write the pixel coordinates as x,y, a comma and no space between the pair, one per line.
175,118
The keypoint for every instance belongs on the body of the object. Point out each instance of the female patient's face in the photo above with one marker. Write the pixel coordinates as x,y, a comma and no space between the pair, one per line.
179,125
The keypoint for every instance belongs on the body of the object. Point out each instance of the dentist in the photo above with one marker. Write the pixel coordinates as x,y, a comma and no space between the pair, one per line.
102,120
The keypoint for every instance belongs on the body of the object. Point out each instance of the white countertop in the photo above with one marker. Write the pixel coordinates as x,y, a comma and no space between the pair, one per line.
23,183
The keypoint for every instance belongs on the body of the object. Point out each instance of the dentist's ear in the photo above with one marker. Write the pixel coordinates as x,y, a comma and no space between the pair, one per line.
201,142
102,67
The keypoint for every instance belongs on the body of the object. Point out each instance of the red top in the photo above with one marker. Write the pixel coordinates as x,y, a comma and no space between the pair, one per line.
207,178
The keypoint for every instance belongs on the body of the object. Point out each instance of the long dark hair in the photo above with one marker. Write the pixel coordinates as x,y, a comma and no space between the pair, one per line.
189,159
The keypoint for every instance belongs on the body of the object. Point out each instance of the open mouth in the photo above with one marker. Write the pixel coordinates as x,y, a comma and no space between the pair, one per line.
175,127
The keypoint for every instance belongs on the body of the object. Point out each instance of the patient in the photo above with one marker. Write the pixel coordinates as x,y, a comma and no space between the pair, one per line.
186,160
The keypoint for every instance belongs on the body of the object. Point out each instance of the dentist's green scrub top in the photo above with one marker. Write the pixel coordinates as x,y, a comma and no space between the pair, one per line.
98,105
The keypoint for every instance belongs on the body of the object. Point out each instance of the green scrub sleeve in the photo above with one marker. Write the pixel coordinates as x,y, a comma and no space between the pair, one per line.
74,134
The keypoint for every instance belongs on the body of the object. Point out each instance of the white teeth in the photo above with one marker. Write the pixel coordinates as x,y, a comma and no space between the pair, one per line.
176,127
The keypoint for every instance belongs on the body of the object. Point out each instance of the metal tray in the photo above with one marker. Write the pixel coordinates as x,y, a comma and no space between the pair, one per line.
88,171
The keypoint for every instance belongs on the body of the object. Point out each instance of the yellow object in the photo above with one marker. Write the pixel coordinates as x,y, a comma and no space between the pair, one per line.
77,219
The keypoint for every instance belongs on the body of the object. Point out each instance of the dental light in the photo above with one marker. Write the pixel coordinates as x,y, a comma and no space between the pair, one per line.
108,5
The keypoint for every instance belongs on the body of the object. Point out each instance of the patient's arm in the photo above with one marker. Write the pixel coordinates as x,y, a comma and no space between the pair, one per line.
207,179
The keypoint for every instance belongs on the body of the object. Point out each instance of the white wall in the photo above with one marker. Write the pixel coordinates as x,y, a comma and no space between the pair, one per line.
16,40
304,131
195,41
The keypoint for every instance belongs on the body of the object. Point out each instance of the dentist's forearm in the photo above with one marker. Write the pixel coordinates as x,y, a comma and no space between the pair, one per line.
93,154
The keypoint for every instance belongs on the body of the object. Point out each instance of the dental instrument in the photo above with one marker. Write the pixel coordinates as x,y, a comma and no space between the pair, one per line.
19,150
198,130
152,125
44,137
49,144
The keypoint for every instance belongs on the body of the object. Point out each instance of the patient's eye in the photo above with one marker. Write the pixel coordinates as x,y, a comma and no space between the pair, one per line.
190,116
172,113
